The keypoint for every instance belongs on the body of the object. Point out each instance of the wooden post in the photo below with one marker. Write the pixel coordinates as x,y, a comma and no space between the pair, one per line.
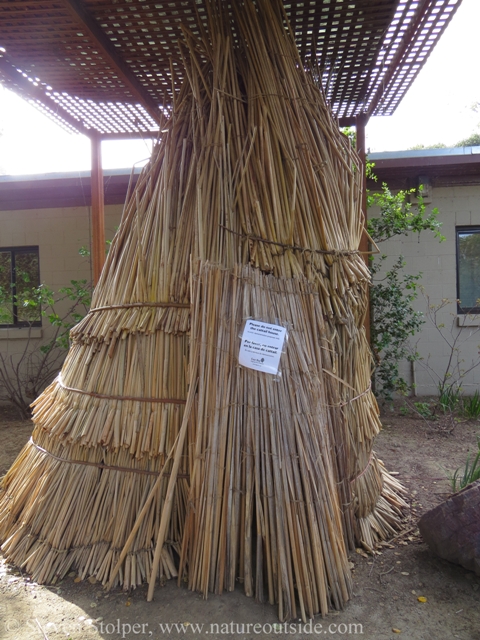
98,209
360,122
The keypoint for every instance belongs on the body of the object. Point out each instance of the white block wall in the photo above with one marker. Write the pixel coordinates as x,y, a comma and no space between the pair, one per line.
59,233
437,262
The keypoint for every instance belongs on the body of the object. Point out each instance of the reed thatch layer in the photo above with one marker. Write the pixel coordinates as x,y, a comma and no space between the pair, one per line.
152,439
77,506
272,500
134,403
264,503
108,425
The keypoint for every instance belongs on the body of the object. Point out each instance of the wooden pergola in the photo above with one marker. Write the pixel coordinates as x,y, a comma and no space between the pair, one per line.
108,68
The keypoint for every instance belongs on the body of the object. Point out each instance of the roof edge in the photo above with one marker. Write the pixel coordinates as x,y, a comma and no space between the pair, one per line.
67,175
424,153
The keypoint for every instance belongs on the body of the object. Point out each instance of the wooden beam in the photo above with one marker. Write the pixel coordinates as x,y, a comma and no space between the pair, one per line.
361,121
110,52
407,39
347,121
98,210
27,89
137,135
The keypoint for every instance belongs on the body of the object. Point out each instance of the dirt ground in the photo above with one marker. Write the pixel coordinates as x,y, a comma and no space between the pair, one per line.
386,587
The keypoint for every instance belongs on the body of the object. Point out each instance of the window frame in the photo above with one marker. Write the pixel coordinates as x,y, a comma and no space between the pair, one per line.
14,251
473,228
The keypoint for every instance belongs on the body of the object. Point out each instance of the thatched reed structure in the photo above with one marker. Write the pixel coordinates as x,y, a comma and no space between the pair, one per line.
154,453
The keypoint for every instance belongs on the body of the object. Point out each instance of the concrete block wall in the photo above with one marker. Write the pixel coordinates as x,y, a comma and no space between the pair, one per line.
59,233
459,205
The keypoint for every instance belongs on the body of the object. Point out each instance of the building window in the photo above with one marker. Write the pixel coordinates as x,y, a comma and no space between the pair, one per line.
19,277
468,269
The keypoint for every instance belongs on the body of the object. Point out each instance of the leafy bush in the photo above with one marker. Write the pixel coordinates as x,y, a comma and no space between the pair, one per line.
393,321
393,318
24,375
470,406
398,216
449,398
423,408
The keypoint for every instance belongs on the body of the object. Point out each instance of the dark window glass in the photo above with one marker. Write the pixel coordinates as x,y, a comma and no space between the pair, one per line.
6,300
19,277
468,269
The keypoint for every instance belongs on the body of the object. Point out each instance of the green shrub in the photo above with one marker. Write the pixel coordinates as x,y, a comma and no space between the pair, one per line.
423,408
449,398
470,473
470,406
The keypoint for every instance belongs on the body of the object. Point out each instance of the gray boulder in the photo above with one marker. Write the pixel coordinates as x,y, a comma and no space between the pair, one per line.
452,530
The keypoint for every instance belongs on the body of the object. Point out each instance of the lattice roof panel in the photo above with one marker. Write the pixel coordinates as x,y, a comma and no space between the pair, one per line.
104,66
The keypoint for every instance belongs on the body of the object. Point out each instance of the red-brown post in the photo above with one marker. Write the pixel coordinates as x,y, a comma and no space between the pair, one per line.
98,209
360,122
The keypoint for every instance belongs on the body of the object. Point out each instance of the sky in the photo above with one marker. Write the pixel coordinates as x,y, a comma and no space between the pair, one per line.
437,108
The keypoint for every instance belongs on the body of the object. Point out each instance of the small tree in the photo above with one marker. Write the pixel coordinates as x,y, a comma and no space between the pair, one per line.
24,375
473,140
435,145
393,318
449,381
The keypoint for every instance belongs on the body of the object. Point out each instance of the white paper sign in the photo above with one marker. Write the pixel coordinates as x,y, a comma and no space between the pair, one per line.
262,345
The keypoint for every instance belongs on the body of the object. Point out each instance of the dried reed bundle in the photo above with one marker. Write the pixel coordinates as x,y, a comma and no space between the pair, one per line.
106,428
264,503
151,440
295,194
78,513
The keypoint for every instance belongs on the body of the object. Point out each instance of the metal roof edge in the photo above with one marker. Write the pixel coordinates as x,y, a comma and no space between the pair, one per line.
67,175
456,166
424,153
